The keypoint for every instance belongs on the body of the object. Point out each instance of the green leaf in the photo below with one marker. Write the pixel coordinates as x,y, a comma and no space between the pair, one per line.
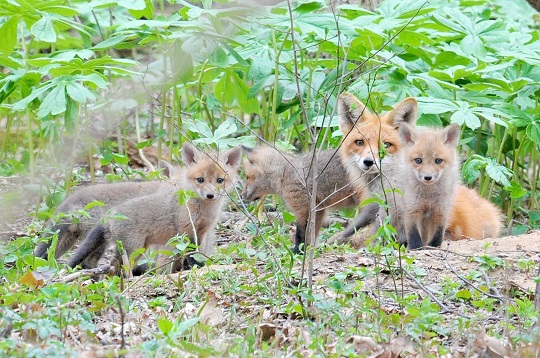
226,128
185,195
516,190
464,294
55,102
288,217
497,172
8,39
110,42
43,30
185,325
223,89
164,325
308,7
120,158
466,117
533,132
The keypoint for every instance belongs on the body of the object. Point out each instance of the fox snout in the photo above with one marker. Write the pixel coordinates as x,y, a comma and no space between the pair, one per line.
248,195
428,178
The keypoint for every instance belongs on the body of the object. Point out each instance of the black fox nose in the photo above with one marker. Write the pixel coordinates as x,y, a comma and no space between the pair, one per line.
368,162
428,178
210,196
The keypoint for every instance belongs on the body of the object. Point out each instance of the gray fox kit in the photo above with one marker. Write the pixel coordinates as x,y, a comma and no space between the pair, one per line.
70,230
269,171
155,218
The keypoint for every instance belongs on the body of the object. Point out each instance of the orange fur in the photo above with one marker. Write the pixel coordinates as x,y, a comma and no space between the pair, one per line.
473,217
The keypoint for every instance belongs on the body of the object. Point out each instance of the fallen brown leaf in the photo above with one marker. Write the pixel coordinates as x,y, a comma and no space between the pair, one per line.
211,314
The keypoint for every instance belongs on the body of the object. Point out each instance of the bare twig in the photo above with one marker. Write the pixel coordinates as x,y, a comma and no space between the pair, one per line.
537,293
100,270
445,308
451,268
122,317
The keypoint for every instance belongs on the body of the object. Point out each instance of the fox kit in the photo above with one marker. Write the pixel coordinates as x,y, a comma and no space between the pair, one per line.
365,136
155,218
428,167
71,230
473,217
269,171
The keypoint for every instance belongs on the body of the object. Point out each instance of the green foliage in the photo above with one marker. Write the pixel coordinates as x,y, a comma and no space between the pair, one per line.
227,75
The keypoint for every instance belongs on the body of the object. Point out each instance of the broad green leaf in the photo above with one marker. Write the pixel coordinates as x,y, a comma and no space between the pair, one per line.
55,101
533,132
432,105
43,30
465,117
226,128
79,93
8,39
199,127
120,158
308,7
224,90
516,190
497,172
164,325
185,325
464,294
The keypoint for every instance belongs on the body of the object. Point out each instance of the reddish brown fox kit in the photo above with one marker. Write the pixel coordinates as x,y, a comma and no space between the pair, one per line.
71,229
269,171
365,136
155,218
428,170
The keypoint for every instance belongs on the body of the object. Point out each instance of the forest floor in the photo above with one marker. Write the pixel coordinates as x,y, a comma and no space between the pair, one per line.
361,303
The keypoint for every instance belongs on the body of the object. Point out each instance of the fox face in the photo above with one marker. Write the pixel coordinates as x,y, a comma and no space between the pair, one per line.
258,183
368,137
429,153
208,177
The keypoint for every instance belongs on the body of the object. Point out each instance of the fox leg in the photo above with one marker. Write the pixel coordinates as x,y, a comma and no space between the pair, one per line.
67,235
437,239
301,229
94,245
366,216
414,239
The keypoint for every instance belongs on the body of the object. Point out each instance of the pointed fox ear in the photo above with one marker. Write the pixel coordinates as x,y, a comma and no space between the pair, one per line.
451,135
233,157
350,111
190,154
405,111
168,169
407,134
249,153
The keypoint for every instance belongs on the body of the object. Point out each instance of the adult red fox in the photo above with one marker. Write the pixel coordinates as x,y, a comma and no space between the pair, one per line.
77,222
366,135
155,218
269,171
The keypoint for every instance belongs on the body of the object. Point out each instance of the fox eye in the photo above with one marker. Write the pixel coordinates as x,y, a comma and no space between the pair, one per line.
438,161
220,180
200,180
359,142
418,160
387,144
